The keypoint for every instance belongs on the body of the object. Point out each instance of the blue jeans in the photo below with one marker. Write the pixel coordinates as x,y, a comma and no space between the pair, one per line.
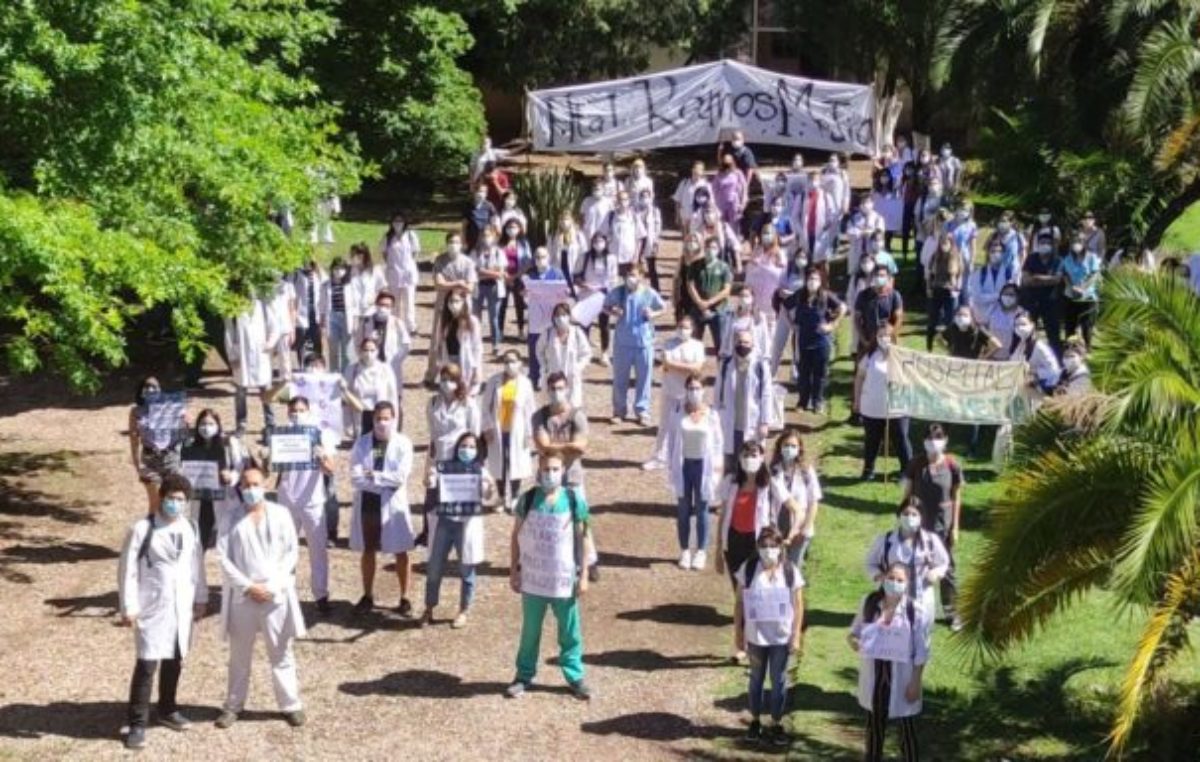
639,360
814,373
488,298
240,413
340,356
449,534
691,504
535,368
764,659
941,313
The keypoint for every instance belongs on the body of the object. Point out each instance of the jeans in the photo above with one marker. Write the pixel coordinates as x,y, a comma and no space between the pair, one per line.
764,659
941,313
240,413
332,509
339,343
535,368
814,375
691,504
570,636
142,685
715,323
639,360
873,434
448,534
487,298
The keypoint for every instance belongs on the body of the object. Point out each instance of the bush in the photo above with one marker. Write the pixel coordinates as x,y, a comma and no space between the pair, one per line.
546,194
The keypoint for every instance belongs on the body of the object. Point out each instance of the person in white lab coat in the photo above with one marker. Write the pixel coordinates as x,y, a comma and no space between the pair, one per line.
391,335
459,340
281,324
366,281
160,589
695,462
508,406
564,348
681,357
744,397
381,521
371,381
400,249
249,360
258,559
308,285
891,689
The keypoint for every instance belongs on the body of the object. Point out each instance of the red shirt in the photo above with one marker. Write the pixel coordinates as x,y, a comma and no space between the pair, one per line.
745,507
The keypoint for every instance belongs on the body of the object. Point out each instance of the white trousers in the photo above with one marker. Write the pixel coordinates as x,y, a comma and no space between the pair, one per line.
310,521
246,620
783,332
408,306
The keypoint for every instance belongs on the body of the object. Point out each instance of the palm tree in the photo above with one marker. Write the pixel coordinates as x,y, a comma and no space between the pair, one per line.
1104,491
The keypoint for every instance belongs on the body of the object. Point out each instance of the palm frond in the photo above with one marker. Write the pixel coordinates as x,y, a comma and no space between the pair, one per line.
1040,16
1182,143
1164,635
1168,58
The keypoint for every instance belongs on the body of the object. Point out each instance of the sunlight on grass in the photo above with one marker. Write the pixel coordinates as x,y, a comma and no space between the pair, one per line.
1184,233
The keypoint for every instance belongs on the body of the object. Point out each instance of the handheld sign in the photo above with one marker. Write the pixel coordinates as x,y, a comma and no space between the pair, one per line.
292,448
890,643
547,544
203,475
767,604
164,417
324,395
541,297
587,310
460,488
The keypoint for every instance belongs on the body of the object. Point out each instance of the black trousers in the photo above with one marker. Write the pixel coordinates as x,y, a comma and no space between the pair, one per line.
142,685
877,719
949,583
898,443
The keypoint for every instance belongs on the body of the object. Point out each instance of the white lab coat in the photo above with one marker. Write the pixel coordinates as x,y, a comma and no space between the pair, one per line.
400,260
758,399
300,287
396,343
928,555
570,357
727,494
802,487
391,484
360,292
594,212
373,384
827,214
574,244
247,560
158,590
898,705
756,323
246,347
520,463
714,460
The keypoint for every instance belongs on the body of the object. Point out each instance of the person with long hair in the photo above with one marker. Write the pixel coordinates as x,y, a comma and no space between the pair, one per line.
518,259
154,450
567,246
400,249
492,265
796,496
210,508
452,270
944,282
459,340
508,403
815,313
597,273
919,549
334,316
695,461
564,348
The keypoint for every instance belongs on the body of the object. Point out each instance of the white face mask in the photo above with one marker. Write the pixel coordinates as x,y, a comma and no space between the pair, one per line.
367,357
962,321
511,368
789,453
769,556
298,419
562,322
695,396
454,248
542,265
449,386
910,522
813,284
747,303
557,396
867,266
208,430
963,215
383,312
935,446
383,429
550,479
456,306
1043,218
1008,300
885,343
684,332
751,464
631,284
1072,363
1024,330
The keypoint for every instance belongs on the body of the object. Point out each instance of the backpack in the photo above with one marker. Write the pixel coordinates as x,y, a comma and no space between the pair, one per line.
922,536
789,570
573,504
144,548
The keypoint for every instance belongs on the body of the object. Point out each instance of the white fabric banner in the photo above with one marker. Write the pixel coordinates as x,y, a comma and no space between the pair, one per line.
694,105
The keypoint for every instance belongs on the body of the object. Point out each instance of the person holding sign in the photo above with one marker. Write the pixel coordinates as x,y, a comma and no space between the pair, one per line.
871,404
380,464
452,411
212,464
597,273
548,542
919,549
371,382
161,589
891,636
564,348
550,282
157,427
768,620
464,489
258,558
635,308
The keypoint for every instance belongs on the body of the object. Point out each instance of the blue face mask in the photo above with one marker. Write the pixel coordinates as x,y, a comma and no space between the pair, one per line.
894,587
253,495
550,479
466,455
172,507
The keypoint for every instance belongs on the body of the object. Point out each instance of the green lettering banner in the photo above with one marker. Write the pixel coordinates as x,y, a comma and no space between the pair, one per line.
953,390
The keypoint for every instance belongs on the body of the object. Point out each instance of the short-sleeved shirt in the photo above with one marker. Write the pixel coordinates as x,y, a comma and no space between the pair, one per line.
1078,271
969,344
455,267
710,278
934,485
770,632
634,329
562,428
562,504
1036,265
807,317
477,218
873,310
370,502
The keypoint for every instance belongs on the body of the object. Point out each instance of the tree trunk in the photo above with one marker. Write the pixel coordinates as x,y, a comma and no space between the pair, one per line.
1171,212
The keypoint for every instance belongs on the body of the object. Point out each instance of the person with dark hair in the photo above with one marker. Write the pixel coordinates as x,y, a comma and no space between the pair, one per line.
695,462
871,404
541,271
1076,378
209,509
479,215
634,307
768,620
744,396
366,281
160,590
935,480
877,306
795,483
920,550
518,259
560,428
399,250
510,210
154,450
891,634
459,340
452,270
308,283
507,406
597,273
334,316
381,522
708,283
564,348
815,314
370,381
392,340
453,410
1041,281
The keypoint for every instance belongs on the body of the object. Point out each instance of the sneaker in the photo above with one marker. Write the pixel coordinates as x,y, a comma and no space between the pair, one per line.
616,419
136,738
296,719
175,721
699,559
605,361
427,617
460,621
777,736
654,464
323,606
644,420
364,605
405,608
226,719
516,689
754,733
685,559
581,691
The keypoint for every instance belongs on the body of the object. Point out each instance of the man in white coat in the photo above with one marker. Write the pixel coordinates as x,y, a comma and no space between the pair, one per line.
246,347
814,217
743,389
258,560
161,588
381,521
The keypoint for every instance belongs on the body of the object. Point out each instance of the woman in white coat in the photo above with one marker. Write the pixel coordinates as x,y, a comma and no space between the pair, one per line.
794,479
891,636
211,510
380,520
920,551
564,348
249,360
508,406
371,381
453,410
400,249
366,281
460,339
160,589
695,458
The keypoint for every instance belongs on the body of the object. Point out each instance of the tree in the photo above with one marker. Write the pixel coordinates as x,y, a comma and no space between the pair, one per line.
169,129
1103,492
393,67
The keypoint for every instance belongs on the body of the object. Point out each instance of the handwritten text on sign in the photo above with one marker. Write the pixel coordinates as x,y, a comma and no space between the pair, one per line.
693,105
542,296
324,396
954,390
547,543
892,643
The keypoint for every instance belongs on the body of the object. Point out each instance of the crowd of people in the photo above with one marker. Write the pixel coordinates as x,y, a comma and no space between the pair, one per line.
762,283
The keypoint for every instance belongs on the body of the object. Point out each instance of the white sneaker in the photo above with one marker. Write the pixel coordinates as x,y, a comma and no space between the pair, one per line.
605,361
654,464
699,558
685,559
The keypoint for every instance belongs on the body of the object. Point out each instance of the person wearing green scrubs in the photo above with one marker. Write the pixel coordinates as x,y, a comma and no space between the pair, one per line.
549,539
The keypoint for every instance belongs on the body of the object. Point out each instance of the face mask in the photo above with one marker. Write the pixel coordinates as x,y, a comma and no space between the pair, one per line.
151,391
1024,330
880,281
769,556
455,307
813,284
742,350
946,153
600,246
798,165
738,143
768,237
801,262
383,312
367,357
542,265
751,464
935,446
398,226
510,369
253,495
776,211
480,198
868,208
867,266
1008,300
994,257
631,284
489,243
876,247
695,396
1043,218
693,247
562,322
1071,363
298,419
454,248
789,453
511,232
208,430
1044,250
557,396
564,225
963,215
449,387
1077,247
466,455
338,274
885,343
172,507
910,523
510,203
550,480
962,321
710,254
1003,227
684,332
747,303
834,164
894,588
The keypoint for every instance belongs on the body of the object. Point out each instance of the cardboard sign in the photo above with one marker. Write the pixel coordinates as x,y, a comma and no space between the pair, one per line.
292,448
891,643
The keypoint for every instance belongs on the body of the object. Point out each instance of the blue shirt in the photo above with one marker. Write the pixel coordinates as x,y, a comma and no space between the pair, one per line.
1077,271
633,329
552,273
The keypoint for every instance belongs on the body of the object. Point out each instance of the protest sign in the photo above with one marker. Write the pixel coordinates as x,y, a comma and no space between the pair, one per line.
587,310
767,604
291,448
164,418
696,104
541,297
547,543
324,395
953,390
891,643
203,475
460,488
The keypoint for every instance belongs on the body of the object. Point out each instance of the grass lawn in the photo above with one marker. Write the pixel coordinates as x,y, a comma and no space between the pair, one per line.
347,232
1184,233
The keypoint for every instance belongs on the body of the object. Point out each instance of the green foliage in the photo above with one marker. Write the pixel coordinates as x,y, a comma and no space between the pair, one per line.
546,194
393,66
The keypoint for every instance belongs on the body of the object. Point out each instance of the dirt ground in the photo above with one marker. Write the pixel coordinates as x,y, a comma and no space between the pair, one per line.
374,688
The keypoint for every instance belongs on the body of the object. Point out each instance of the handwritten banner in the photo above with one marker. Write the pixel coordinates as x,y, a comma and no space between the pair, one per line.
541,297
953,390
693,105
547,543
